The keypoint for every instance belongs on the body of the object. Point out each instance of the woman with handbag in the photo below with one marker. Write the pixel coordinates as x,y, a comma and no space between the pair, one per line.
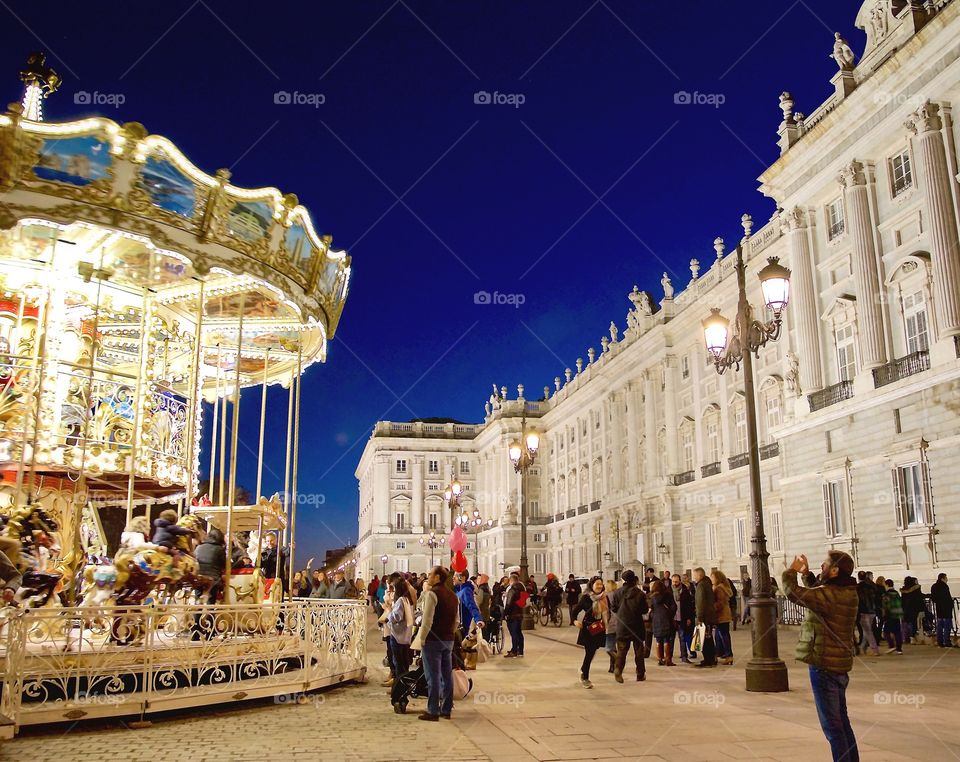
592,617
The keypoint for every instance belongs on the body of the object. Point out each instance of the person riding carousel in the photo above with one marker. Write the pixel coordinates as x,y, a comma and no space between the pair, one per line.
166,532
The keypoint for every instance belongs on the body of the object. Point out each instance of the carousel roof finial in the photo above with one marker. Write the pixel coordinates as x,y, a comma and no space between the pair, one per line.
39,81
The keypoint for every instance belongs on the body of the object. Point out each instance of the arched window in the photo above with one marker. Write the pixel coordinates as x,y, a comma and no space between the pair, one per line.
712,441
770,411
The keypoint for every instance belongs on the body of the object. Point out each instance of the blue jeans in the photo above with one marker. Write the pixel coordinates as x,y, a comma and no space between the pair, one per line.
721,635
944,626
515,626
437,656
830,698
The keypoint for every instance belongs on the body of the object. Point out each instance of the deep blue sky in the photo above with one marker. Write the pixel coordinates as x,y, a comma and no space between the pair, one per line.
501,197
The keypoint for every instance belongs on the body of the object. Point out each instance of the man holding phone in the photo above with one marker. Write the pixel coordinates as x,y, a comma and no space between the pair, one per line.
827,642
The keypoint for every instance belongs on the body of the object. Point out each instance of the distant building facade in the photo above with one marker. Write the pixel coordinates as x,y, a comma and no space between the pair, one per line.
643,455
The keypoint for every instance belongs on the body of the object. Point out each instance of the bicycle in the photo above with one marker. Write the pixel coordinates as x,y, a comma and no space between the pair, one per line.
550,613
494,635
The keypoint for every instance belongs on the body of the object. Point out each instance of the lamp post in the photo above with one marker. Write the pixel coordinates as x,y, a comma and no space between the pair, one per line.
432,542
473,522
452,495
523,453
766,671
383,560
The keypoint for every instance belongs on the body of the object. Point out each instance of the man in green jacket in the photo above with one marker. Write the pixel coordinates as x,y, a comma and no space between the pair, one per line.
827,642
706,615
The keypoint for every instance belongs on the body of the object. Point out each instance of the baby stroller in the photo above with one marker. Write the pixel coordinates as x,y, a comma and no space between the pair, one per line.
413,683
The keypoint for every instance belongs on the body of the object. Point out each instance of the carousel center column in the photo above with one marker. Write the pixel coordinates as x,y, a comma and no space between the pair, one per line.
804,313
935,178
853,179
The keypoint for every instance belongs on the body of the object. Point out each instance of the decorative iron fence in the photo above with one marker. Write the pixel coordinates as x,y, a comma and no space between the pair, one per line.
902,367
771,450
830,396
84,662
685,478
739,460
710,469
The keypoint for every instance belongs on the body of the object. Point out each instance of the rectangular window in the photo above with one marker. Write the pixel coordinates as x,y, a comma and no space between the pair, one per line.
464,466
687,442
534,507
401,544
912,495
740,536
433,521
776,532
399,522
900,171
434,487
740,428
685,366
834,508
596,423
688,552
915,322
433,467
713,442
539,537
401,466
658,555
835,219
570,561
712,549
539,563
846,355
774,417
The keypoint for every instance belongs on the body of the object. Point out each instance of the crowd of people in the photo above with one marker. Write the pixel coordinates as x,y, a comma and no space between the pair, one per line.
657,616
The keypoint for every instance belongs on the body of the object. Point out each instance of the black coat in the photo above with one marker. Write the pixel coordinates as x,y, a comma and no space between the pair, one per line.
165,533
942,600
584,638
630,604
573,591
663,608
212,559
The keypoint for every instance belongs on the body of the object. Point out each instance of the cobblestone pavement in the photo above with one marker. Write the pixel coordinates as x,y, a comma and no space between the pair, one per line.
534,709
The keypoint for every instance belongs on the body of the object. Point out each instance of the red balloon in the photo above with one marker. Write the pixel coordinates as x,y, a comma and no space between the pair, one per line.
458,539
459,562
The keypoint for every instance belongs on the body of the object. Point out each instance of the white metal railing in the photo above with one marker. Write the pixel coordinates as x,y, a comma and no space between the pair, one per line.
74,663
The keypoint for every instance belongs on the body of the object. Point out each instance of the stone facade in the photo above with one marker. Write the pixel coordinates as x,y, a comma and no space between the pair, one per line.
643,454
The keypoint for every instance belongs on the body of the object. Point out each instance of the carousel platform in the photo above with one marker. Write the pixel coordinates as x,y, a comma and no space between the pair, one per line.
73,664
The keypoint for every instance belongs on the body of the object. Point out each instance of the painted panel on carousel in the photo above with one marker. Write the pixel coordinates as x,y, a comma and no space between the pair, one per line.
133,262
328,276
298,246
76,160
250,220
255,304
167,186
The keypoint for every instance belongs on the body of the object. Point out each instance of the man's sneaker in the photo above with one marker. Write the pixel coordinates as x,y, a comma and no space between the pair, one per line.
509,655
899,653
891,650
429,717
585,683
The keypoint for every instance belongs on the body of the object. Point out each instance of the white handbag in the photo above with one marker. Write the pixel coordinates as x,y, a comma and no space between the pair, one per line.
461,684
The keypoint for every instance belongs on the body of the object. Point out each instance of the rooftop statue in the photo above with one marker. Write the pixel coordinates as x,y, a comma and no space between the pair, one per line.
843,53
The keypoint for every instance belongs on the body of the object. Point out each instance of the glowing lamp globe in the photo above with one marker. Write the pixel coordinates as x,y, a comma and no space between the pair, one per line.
715,331
775,283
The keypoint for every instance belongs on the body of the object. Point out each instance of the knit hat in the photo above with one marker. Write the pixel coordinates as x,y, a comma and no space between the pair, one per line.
629,576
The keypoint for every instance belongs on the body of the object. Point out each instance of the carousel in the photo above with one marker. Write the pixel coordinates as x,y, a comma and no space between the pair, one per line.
139,297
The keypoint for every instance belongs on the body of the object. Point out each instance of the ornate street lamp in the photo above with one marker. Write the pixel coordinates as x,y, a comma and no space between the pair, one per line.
383,560
452,495
523,453
432,542
473,522
766,671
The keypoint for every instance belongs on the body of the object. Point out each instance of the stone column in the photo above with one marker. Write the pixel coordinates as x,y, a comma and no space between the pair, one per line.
416,509
381,493
616,402
866,275
633,437
670,411
650,425
803,312
935,179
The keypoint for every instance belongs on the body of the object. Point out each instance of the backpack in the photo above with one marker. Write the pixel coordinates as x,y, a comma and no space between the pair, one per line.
522,598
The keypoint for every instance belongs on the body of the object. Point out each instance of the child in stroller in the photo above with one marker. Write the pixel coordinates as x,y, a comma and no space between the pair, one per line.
413,684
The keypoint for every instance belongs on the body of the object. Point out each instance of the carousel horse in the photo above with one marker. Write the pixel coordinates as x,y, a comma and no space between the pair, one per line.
27,536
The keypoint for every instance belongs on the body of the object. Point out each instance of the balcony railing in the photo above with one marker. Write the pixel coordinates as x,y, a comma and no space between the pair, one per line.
582,509
830,396
710,469
915,362
956,344
571,512
559,516
771,450
739,460
595,505
685,478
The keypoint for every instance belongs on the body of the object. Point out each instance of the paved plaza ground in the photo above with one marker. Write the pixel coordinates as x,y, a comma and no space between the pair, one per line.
902,708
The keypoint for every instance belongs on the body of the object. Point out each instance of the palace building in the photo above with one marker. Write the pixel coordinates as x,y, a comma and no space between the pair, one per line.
643,455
